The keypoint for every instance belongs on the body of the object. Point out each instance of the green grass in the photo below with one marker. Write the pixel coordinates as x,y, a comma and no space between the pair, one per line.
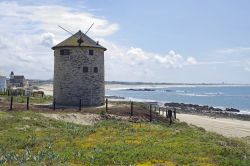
33,100
31,139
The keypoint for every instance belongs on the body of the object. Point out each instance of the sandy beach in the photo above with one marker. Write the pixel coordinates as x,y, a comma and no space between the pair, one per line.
47,89
226,127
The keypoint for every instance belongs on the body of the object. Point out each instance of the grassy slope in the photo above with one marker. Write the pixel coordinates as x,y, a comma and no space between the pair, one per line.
27,137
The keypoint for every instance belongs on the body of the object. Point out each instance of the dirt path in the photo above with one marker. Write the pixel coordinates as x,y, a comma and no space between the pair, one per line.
83,118
77,118
226,127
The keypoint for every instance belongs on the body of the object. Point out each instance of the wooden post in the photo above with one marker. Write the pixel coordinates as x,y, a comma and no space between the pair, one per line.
174,113
8,92
150,109
170,116
28,101
4,91
166,113
131,109
106,104
80,105
11,102
54,104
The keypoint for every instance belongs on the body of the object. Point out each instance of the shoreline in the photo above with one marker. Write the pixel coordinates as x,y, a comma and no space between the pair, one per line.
186,97
208,111
231,113
220,110
240,114
224,126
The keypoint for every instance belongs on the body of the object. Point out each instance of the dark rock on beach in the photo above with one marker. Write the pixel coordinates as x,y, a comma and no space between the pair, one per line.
193,107
232,110
114,97
208,110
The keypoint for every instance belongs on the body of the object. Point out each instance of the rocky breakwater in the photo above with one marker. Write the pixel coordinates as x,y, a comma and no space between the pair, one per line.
208,110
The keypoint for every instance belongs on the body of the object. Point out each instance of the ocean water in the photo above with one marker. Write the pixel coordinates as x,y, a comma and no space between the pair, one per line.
217,96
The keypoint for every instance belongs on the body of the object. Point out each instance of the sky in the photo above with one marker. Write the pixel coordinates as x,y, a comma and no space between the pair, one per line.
189,41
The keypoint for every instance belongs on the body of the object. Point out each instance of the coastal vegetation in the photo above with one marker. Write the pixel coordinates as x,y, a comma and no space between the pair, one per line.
34,100
46,99
27,137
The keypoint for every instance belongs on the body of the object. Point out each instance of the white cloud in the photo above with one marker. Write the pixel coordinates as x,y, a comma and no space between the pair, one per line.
247,66
28,33
133,55
48,17
172,59
247,69
235,50
133,64
137,53
191,61
48,39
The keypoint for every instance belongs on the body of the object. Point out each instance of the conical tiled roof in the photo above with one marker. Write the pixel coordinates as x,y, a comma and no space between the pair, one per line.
72,42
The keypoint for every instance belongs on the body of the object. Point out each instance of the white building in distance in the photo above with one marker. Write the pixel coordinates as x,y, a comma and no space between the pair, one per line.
2,83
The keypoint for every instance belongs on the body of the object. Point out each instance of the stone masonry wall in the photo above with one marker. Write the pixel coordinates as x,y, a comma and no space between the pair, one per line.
70,82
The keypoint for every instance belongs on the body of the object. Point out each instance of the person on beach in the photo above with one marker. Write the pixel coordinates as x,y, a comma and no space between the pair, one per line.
170,116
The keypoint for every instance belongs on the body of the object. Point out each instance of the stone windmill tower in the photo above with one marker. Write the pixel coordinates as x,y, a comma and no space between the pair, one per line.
79,71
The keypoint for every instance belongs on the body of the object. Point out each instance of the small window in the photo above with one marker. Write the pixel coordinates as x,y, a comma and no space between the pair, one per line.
91,52
85,69
64,52
95,69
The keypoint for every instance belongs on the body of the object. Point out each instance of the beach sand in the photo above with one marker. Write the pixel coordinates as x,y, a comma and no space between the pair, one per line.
223,126
47,89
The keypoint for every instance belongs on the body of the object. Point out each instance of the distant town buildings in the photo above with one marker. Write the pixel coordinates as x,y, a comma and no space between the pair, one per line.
17,84
2,83
16,80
